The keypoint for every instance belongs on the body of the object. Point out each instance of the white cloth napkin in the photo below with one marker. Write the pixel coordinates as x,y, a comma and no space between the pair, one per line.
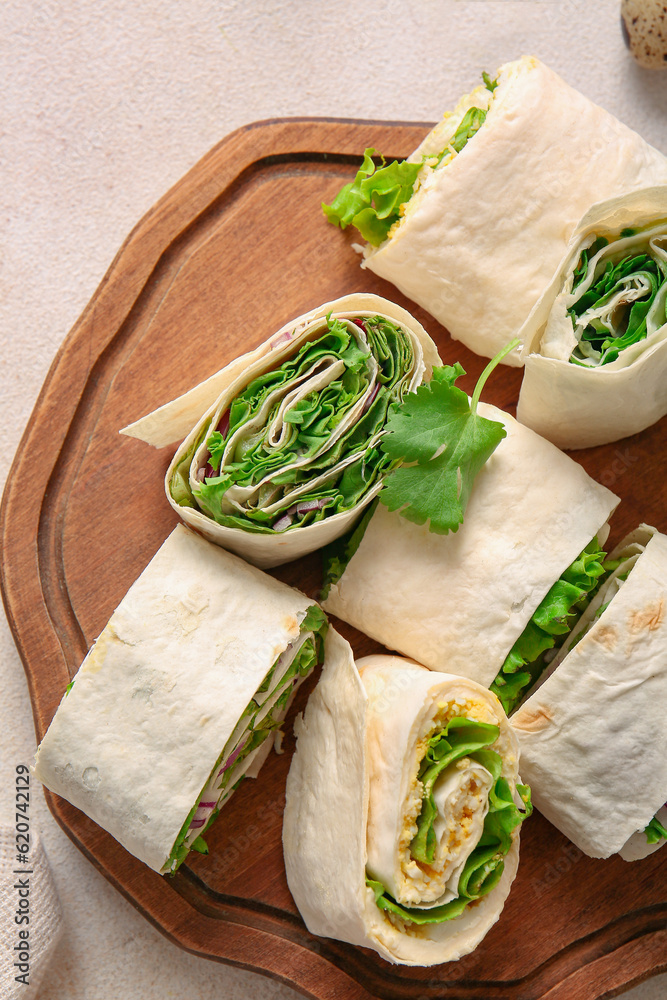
25,889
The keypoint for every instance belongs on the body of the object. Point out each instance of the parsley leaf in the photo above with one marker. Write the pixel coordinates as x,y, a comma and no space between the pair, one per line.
438,431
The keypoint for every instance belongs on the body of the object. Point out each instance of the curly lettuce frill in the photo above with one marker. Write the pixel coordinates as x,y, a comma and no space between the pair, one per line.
550,624
655,831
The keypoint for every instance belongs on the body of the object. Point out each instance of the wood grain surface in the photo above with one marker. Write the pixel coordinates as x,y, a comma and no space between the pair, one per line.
233,251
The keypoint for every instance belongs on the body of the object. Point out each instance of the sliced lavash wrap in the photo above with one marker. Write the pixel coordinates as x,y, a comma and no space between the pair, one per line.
593,736
386,752
179,698
493,208
459,602
330,412
567,395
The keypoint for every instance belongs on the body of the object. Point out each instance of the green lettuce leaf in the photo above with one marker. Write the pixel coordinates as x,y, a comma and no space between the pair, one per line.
435,915
199,845
372,201
337,555
471,122
586,255
655,831
315,620
489,83
552,620
459,738
179,484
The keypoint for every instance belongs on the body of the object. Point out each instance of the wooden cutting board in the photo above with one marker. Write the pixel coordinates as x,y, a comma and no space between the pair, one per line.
237,248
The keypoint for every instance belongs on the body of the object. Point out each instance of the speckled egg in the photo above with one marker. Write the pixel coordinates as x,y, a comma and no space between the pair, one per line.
644,25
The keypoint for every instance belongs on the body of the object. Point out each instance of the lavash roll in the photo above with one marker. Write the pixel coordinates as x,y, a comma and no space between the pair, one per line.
195,661
576,406
479,242
202,407
458,602
350,804
593,736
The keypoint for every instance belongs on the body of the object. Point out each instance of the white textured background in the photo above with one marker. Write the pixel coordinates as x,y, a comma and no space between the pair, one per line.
106,103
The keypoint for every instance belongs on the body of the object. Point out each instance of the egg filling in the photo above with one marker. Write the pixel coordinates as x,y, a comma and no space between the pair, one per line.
457,818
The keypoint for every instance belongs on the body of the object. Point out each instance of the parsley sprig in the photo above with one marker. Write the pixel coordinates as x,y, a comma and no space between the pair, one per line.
444,443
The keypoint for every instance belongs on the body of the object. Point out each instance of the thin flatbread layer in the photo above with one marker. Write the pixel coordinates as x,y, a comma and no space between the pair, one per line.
458,602
593,736
325,858
160,692
580,407
186,417
489,230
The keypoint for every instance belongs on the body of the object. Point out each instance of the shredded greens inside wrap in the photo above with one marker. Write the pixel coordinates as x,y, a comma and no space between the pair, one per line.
301,442
551,622
619,294
375,200
260,720
461,739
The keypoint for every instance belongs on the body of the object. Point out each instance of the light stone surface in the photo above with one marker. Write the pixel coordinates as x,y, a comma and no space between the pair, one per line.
106,104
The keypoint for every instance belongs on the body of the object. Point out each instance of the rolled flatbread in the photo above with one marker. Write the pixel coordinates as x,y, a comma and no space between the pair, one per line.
596,370
593,736
493,208
282,447
421,765
458,602
179,697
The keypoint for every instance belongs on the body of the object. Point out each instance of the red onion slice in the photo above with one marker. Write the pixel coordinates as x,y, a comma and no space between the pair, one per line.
232,758
369,402
281,339
283,522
